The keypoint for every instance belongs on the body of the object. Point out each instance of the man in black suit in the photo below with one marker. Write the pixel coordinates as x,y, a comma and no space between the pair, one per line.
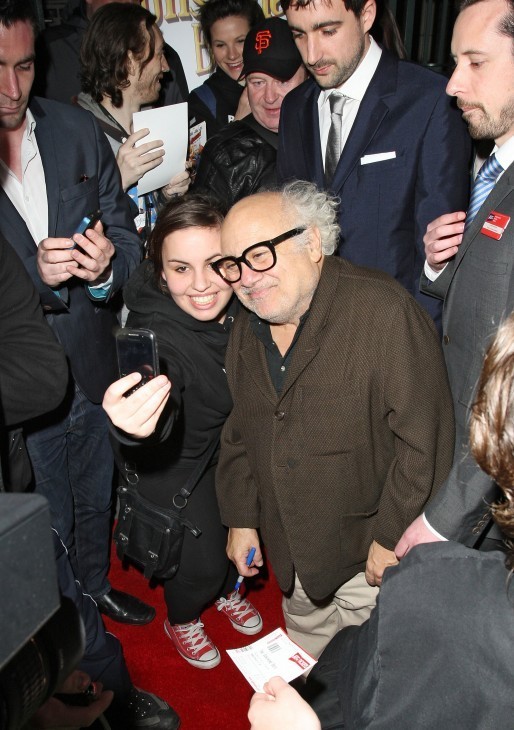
56,167
377,132
469,263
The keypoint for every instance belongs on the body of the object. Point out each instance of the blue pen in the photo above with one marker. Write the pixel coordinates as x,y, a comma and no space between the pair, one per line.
240,578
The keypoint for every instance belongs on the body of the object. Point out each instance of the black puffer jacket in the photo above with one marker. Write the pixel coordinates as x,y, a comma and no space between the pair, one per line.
239,161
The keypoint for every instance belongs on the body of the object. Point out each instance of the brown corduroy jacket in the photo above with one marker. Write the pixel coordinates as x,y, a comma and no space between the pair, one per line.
357,441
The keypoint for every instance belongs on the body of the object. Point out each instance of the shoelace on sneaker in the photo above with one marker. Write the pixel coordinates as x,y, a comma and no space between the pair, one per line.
194,635
236,605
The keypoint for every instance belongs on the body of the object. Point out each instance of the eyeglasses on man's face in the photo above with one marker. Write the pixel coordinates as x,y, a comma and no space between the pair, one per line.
259,257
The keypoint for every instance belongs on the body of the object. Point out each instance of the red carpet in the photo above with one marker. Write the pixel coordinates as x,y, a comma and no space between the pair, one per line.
212,699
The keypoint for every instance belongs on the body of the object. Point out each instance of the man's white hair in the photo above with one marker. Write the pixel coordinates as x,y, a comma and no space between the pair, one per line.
310,207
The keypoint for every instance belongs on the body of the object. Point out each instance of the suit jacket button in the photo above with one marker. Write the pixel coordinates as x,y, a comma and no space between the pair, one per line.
279,415
446,340
47,307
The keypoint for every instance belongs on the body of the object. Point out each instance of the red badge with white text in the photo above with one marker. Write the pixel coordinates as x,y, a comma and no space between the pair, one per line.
495,225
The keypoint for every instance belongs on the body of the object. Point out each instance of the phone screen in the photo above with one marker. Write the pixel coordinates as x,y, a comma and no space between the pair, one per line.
137,352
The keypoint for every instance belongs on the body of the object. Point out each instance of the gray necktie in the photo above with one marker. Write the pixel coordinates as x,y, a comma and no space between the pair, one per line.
333,151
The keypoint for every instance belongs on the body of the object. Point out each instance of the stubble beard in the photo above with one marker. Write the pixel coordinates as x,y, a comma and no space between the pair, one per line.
487,127
12,122
342,72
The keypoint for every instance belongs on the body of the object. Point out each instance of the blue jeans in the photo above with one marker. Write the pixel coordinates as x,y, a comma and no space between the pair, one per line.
73,468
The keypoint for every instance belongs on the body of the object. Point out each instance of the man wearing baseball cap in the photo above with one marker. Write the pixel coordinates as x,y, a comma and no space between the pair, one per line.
240,160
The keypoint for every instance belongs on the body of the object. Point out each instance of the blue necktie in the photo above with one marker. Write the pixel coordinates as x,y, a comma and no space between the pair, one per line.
484,183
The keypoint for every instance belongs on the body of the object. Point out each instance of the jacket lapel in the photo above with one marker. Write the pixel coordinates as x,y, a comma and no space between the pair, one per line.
253,355
311,337
309,132
49,157
372,112
500,191
14,228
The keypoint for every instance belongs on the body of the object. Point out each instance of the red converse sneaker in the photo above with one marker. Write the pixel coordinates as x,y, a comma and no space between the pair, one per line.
243,616
193,644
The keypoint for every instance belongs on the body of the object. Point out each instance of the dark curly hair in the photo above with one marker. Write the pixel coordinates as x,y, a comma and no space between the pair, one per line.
213,10
113,31
492,426
193,210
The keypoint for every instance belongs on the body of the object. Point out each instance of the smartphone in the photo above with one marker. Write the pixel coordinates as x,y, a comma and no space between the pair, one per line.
137,353
88,221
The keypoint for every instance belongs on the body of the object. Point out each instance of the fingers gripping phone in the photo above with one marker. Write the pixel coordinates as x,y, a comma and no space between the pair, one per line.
88,221
137,352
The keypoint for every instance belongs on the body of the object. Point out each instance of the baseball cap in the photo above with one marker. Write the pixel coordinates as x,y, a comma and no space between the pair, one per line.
269,48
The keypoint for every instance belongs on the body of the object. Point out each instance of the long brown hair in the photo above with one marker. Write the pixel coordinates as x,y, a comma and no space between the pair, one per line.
492,426
193,210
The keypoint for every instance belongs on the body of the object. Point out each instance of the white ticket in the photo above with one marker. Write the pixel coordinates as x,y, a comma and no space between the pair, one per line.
275,655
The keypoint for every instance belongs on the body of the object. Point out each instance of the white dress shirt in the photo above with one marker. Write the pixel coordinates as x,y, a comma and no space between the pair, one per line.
28,195
354,89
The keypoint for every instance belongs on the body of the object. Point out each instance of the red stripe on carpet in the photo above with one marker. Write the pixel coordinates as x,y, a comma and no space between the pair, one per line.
212,699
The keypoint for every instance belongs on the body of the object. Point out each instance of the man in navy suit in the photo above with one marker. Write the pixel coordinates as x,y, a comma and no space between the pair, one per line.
399,152
56,167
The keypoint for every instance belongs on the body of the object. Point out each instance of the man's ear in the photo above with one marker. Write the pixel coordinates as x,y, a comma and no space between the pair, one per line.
131,64
368,15
314,246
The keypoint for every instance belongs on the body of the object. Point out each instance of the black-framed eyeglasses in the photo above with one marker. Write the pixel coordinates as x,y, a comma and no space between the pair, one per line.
259,257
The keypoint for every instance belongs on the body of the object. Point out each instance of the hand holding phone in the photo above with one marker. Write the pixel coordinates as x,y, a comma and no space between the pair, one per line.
87,222
136,412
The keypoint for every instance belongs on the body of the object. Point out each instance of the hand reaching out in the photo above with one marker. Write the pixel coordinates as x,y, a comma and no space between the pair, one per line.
280,707
135,161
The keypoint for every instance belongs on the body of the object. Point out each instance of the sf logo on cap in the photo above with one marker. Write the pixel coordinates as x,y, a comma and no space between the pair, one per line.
262,40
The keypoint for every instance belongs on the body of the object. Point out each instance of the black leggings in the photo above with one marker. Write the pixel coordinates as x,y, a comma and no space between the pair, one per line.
205,571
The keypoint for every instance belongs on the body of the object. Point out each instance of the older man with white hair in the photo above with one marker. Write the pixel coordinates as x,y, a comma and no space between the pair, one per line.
342,425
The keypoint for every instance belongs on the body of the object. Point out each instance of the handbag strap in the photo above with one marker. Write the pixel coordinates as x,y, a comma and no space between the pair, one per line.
181,497
195,477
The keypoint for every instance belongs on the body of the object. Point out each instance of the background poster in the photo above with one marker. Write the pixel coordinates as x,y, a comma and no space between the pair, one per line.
178,22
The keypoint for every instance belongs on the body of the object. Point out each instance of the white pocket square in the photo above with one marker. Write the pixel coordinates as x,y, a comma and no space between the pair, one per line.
379,157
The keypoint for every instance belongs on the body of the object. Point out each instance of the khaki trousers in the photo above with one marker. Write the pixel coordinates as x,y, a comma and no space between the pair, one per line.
312,626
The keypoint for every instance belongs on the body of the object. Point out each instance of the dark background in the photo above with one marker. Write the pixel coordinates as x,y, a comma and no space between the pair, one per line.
425,26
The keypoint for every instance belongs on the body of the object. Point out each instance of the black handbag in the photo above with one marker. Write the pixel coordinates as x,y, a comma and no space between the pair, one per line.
149,535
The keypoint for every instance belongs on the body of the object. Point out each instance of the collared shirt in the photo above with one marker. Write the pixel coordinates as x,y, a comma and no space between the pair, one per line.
28,195
505,156
354,88
277,364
